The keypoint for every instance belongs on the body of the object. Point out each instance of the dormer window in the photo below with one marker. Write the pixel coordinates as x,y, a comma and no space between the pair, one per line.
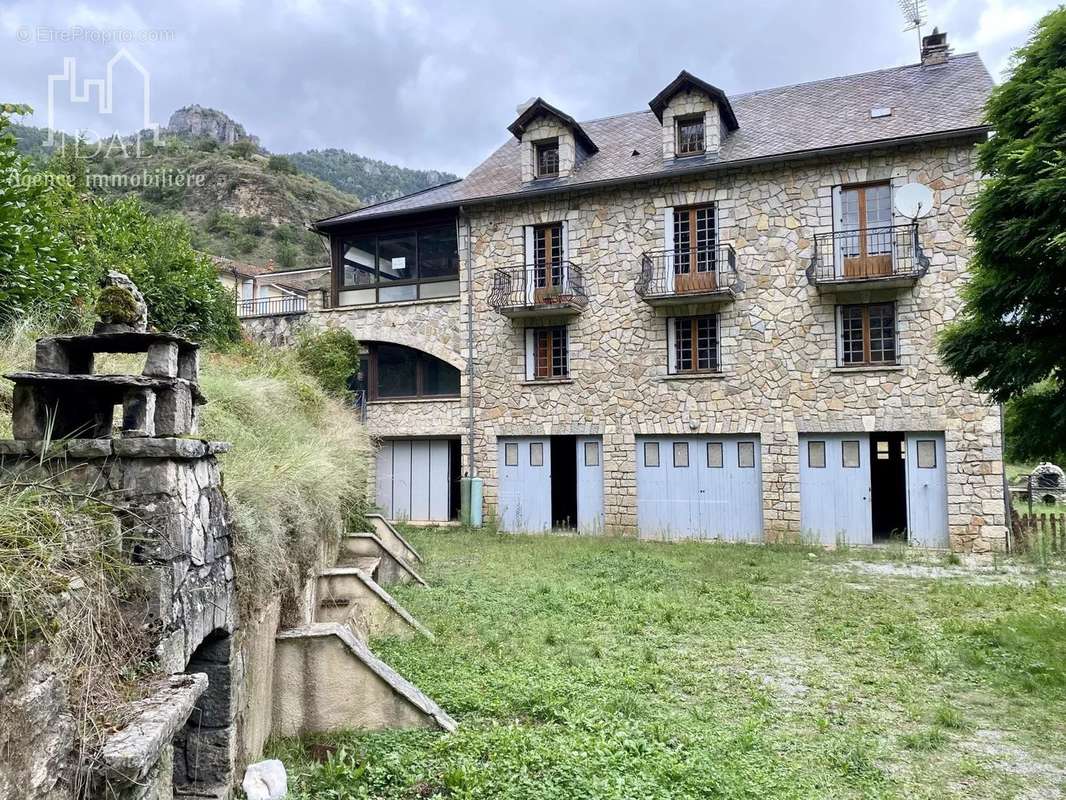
690,135
547,158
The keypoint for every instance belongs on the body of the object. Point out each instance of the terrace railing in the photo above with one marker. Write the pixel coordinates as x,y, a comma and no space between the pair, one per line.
271,306
686,272
870,254
557,287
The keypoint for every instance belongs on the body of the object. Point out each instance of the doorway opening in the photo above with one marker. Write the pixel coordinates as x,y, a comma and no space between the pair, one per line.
203,750
455,492
564,481
888,486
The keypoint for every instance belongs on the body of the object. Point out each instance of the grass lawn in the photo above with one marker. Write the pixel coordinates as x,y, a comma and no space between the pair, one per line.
610,668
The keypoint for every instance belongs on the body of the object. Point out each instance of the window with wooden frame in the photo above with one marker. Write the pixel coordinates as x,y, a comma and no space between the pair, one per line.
398,373
547,261
867,212
867,334
546,158
547,353
690,135
695,249
695,344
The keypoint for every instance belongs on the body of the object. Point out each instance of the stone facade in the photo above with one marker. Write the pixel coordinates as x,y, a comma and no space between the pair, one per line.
275,330
779,376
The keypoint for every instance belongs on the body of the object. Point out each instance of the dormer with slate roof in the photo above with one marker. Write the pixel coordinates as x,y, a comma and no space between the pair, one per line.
696,117
552,143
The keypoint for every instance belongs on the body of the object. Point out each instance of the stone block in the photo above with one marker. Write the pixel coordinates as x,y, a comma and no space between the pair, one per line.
162,360
189,364
53,356
162,447
174,411
29,415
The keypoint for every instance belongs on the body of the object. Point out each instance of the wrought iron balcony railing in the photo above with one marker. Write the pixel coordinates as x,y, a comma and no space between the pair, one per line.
889,254
272,306
685,274
539,289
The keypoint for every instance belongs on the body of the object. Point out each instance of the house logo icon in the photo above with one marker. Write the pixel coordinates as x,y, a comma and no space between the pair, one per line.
124,76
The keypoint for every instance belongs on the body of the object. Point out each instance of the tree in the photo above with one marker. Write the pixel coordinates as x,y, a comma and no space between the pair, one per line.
243,148
288,255
332,356
281,164
38,264
1011,333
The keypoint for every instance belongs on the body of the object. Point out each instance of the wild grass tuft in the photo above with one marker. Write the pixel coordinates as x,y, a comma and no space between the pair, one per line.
296,475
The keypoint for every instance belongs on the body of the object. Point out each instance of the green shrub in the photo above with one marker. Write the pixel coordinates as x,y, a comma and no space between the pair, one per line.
253,226
288,255
331,356
56,244
243,148
281,164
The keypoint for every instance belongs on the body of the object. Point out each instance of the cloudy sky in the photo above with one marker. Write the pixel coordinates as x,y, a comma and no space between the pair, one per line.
434,84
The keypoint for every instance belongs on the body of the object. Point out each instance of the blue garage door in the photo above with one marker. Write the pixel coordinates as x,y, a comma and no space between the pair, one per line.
699,487
927,491
414,479
525,490
835,488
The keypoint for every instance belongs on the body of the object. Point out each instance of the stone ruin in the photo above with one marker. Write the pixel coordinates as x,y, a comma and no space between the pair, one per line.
1048,484
181,739
231,682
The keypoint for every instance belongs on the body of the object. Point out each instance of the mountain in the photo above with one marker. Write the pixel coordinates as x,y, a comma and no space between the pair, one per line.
364,177
239,200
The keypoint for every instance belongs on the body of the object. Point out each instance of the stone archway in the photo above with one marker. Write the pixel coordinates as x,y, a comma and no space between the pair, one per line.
391,335
204,749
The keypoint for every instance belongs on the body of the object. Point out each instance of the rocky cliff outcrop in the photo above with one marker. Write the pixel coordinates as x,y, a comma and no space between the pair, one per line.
197,122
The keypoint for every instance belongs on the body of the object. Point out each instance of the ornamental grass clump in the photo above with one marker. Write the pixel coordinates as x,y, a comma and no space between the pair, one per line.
296,476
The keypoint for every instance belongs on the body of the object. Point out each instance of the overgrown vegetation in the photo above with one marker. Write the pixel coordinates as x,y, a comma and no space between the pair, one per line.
57,241
331,355
297,470
614,669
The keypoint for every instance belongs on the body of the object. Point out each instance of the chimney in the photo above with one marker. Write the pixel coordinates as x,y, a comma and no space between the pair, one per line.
934,48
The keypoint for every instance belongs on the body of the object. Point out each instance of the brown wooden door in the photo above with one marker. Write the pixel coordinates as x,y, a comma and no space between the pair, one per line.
694,250
547,263
867,249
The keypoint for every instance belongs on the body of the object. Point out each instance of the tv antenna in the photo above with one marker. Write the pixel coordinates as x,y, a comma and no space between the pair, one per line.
914,15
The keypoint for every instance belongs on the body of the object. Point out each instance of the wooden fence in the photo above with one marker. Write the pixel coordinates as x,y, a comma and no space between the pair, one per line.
1052,527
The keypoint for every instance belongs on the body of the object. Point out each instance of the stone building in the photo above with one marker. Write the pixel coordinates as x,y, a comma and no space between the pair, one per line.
716,318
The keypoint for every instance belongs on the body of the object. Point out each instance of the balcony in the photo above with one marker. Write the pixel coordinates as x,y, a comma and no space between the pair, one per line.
889,257
271,306
705,276
539,290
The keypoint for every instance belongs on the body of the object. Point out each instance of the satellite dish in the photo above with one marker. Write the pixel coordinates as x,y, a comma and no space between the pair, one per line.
913,200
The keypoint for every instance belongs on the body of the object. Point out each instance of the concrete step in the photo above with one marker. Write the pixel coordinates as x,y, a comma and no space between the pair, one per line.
393,567
388,534
326,680
349,596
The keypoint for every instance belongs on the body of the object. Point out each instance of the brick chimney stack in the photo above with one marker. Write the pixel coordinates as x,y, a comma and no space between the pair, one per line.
934,48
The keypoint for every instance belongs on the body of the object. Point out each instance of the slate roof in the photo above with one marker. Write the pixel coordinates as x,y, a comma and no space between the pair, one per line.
780,123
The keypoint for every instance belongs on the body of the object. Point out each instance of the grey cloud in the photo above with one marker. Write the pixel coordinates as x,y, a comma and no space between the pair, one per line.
434,84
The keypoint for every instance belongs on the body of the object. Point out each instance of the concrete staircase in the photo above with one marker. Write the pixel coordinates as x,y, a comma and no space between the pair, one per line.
326,679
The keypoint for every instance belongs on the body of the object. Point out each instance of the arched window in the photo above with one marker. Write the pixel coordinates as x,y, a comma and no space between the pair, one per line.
398,372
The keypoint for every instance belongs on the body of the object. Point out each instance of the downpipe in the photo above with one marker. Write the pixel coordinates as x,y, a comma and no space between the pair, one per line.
471,490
